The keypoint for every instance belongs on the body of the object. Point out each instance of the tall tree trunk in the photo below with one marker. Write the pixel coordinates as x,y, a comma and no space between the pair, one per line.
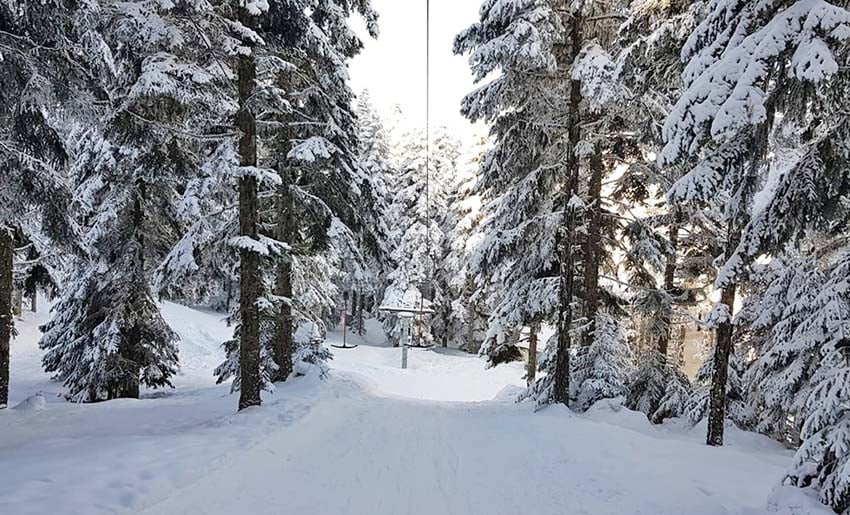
7,244
250,288
18,302
33,296
531,365
592,250
447,313
133,342
361,324
283,344
669,278
566,55
722,349
472,346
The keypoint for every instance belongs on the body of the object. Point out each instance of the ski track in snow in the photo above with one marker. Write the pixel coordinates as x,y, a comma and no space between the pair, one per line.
373,439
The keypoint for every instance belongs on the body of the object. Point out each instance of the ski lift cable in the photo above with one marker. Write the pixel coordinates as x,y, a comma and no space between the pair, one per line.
428,132
430,261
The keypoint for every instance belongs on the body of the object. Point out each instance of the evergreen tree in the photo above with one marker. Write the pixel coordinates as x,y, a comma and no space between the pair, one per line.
307,133
659,258
107,338
374,159
737,409
463,324
800,318
778,380
45,53
519,175
746,60
823,460
417,237
602,372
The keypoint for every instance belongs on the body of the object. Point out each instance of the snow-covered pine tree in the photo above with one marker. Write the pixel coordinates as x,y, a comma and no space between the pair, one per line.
778,380
308,139
648,68
737,408
744,60
799,316
464,323
202,267
320,155
603,370
823,460
43,46
524,105
374,159
107,338
417,236
596,142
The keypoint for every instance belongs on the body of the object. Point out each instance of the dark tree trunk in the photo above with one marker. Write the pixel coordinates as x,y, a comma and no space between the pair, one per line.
18,302
6,255
250,288
447,312
669,278
283,345
472,345
33,296
228,300
592,250
131,350
722,349
531,365
566,55
361,324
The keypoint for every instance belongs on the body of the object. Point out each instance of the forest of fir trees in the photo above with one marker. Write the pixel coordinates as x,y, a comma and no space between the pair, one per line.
653,171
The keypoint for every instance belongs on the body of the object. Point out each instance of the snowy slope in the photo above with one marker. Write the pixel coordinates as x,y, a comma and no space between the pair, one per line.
373,439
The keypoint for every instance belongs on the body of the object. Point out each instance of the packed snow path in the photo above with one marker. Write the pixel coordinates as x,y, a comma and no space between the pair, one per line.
389,456
371,440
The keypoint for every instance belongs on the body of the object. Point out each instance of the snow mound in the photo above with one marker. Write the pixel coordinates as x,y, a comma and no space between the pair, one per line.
789,500
612,411
35,402
509,393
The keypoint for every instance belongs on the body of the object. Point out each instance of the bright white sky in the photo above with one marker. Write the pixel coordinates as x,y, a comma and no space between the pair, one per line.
392,67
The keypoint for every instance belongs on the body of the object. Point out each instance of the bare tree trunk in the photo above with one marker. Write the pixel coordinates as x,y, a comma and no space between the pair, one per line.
592,250
722,349
6,256
250,288
228,301
531,365
18,302
361,324
566,55
33,296
669,284
472,346
283,344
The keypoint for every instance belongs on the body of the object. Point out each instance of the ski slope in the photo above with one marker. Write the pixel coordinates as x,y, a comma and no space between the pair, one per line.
372,439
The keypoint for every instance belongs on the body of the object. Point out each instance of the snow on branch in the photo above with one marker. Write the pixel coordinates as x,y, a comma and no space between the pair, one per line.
262,245
718,315
263,175
312,150
256,7
729,94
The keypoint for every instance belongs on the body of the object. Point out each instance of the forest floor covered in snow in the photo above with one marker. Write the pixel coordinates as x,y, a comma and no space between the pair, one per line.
443,436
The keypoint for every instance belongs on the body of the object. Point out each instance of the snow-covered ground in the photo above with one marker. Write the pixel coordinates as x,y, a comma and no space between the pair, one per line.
373,439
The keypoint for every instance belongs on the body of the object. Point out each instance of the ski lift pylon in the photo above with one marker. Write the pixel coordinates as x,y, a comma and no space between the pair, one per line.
344,326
